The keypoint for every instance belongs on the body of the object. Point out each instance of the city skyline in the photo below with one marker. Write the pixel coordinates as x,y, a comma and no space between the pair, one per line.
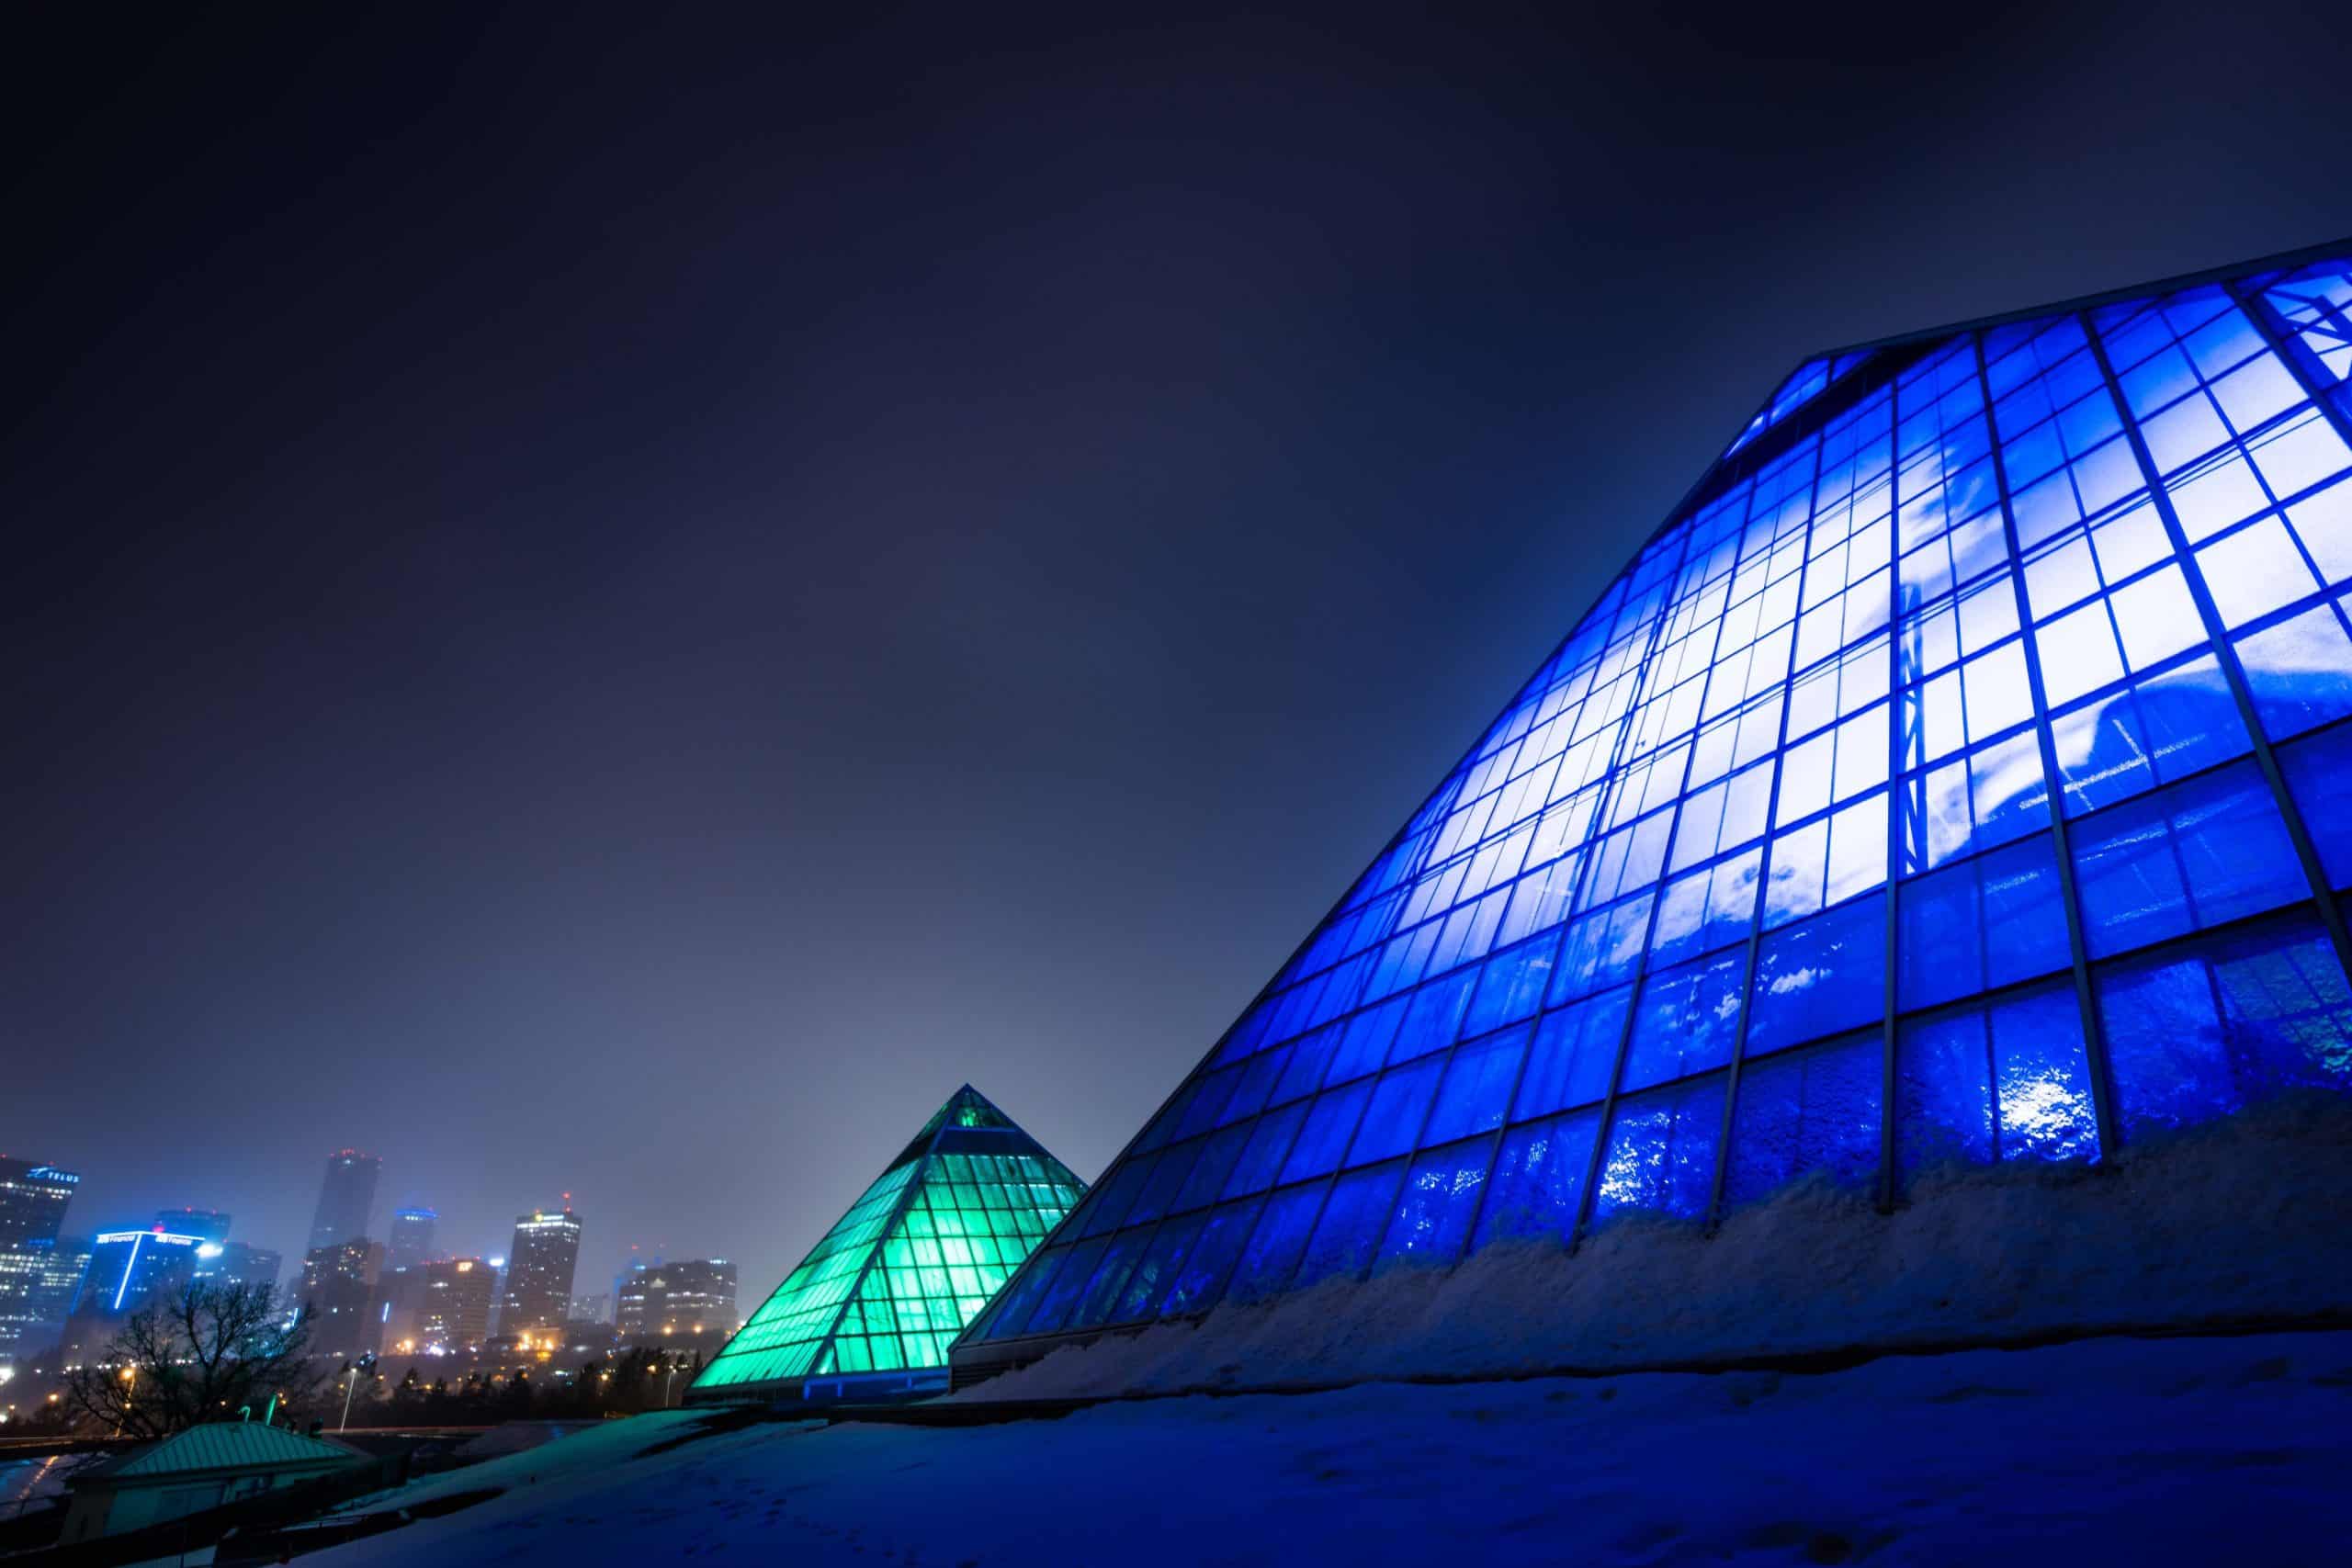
216,1223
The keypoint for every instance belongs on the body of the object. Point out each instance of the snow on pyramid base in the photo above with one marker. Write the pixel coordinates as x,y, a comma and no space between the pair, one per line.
870,1312
2232,1227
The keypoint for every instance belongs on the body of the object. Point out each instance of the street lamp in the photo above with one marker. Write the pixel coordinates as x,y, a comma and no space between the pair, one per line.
352,1370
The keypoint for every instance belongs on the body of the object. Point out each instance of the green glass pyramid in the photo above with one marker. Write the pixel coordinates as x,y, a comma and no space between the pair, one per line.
914,1260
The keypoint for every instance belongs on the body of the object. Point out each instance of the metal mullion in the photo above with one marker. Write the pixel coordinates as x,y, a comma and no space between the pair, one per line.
1332,1178
1764,862
1307,1103
2226,653
1889,998
2257,310
1882,1195
1157,1224
2164,948
1593,837
1634,984
1404,1174
2077,945
1413,1148
1331,1181
1225,1276
1306,1114
881,1241
1136,1262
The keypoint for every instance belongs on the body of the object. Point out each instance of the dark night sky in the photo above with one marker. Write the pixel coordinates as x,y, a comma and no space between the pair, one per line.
618,604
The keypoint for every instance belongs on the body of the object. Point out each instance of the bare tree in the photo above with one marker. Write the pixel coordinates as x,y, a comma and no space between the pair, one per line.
200,1354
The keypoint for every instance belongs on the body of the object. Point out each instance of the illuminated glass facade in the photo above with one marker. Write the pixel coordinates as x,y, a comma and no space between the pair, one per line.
33,1198
915,1257
1960,773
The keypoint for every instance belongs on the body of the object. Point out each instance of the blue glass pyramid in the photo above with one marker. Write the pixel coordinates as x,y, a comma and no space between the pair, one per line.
1960,775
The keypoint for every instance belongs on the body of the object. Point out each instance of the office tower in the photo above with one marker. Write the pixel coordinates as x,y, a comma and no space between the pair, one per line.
453,1313
1957,776
412,1241
540,1267
596,1308
872,1309
33,1198
346,1197
56,1288
339,1288
665,1301
130,1270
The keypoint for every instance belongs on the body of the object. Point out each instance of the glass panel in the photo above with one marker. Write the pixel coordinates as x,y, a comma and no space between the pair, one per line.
1331,1124
1272,1256
1348,1230
2319,778
2300,672
2198,1032
1819,977
1688,1020
1573,1057
1662,1150
1539,1178
1477,1087
1439,1199
2194,854
1999,1081
1393,1116
2151,732
1983,923
1156,1271
1810,1111
1200,1279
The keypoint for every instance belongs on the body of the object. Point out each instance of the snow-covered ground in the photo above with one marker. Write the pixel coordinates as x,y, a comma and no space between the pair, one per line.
2086,1450
2173,1450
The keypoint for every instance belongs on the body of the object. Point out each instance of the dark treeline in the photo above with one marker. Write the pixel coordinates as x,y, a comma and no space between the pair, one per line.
623,1384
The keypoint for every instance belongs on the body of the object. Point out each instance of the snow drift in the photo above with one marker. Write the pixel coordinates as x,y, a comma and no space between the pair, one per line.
2239,1222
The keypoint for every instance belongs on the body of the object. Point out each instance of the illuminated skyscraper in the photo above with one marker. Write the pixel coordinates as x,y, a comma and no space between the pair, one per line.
540,1267
56,1288
872,1309
346,1197
412,1241
339,1286
33,1198
1960,774
666,1301
456,1302
128,1271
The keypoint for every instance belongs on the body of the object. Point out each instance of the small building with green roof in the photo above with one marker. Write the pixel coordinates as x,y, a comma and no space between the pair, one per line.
194,1471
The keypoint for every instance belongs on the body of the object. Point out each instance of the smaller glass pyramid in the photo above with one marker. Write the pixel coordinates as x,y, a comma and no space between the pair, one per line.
914,1260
